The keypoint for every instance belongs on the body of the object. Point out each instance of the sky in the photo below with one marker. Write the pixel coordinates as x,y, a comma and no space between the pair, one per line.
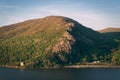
95,14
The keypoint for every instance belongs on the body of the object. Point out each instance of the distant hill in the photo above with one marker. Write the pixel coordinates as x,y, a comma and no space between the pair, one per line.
109,30
52,41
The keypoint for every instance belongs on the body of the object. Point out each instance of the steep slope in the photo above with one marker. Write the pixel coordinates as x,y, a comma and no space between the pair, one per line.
50,41
109,30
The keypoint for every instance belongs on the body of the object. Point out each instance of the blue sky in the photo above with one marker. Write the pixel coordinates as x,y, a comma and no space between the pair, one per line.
96,14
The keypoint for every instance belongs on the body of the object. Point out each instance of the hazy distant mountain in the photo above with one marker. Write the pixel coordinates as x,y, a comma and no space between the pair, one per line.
52,41
109,30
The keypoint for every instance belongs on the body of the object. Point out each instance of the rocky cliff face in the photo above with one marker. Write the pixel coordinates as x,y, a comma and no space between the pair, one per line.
74,42
65,42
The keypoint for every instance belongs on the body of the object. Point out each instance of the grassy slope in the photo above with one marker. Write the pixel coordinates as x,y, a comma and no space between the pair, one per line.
109,30
30,39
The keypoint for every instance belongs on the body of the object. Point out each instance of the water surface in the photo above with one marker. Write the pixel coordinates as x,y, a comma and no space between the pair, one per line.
61,74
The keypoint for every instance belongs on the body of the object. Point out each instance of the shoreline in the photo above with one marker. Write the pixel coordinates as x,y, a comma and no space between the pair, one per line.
12,67
92,66
72,66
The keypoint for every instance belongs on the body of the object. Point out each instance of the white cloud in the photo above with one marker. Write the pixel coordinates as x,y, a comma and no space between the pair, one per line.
46,10
7,6
93,20
86,17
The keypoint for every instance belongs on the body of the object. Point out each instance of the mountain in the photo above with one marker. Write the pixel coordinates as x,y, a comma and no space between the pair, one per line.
52,41
109,30
110,34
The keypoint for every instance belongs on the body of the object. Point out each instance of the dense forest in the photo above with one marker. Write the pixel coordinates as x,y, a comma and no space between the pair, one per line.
56,41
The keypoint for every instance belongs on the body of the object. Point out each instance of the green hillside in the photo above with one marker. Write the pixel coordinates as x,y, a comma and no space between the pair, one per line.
53,41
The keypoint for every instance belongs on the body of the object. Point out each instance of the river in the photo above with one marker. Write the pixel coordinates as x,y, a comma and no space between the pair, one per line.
61,74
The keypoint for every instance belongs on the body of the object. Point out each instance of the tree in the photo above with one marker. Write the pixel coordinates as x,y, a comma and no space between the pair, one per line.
116,55
85,59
